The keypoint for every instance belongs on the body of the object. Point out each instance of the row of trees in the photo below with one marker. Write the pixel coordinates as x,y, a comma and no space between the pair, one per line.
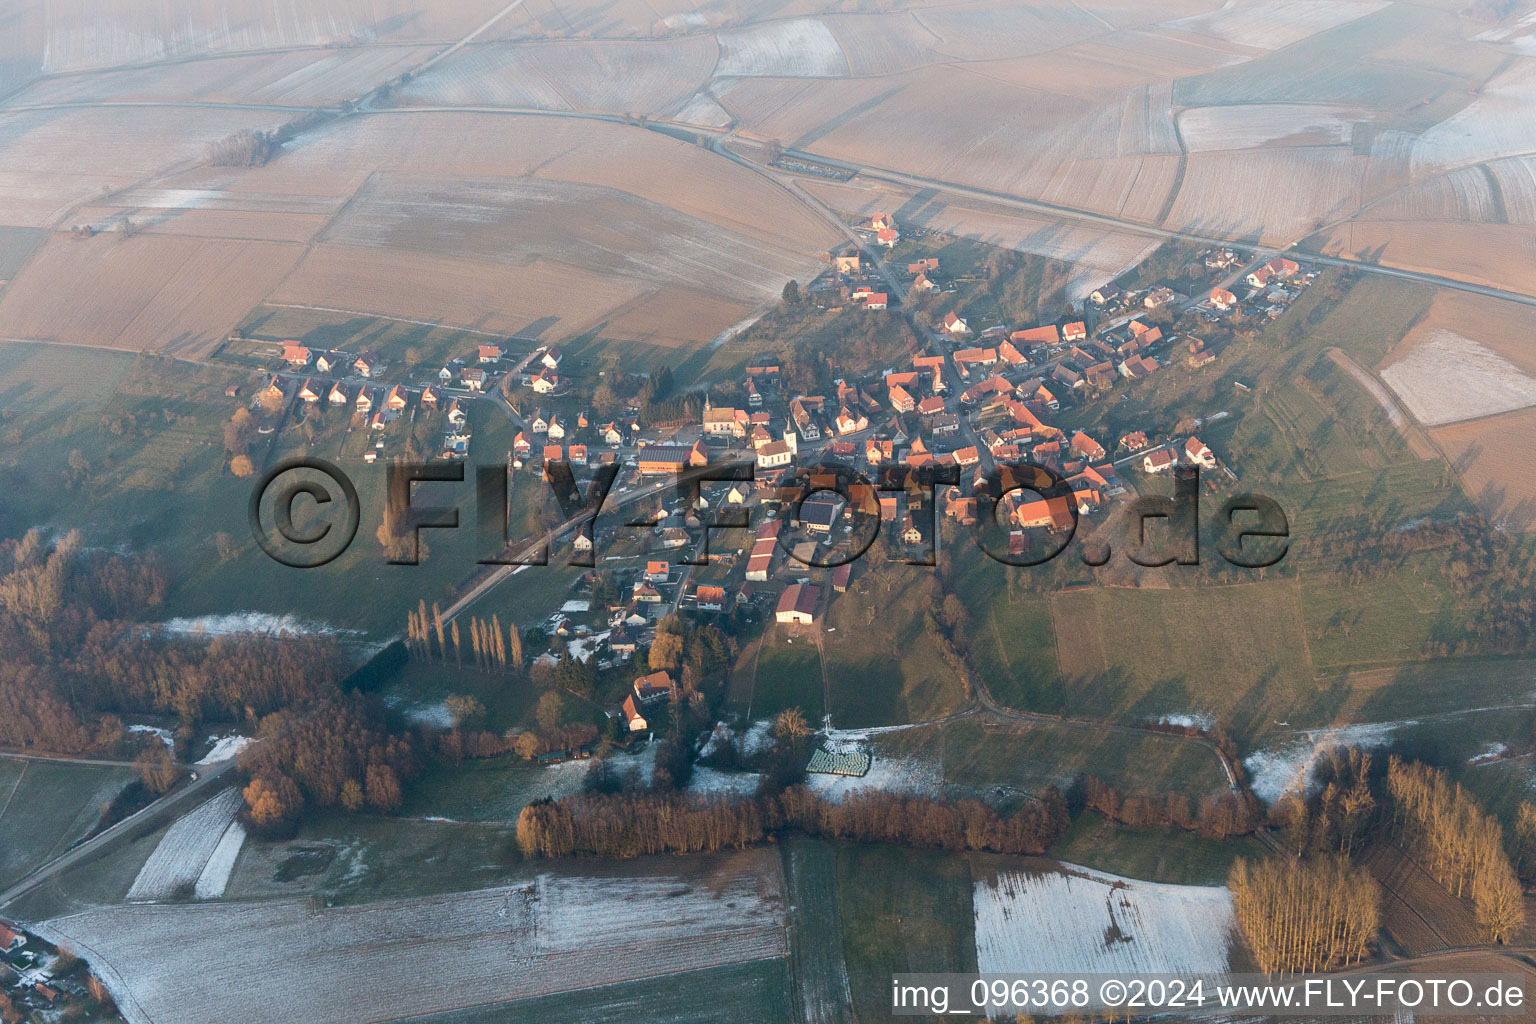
634,824
1308,915
1457,843
1218,816
490,646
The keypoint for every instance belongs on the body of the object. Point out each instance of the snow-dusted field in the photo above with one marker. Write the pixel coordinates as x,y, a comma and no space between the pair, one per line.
1273,24
1082,921
284,960
215,877
183,852
1447,377
1263,124
1500,121
796,48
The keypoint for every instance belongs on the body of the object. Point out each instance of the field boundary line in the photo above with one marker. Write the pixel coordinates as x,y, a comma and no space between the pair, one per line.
397,319
7,805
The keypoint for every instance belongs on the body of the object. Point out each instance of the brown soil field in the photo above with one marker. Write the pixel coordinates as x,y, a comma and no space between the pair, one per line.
1278,195
1079,634
159,293
53,159
1417,912
479,294
1493,458
1500,255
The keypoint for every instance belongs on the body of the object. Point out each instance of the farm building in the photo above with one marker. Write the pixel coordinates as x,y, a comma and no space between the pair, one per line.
797,605
632,715
661,459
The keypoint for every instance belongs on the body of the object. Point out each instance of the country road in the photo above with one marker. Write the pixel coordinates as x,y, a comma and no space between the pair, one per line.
210,779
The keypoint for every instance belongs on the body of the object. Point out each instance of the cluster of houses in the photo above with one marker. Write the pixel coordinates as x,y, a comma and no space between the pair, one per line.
28,975
973,407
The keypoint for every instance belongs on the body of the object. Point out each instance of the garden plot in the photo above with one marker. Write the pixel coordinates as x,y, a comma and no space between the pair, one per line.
794,48
1446,377
917,772
1268,124
1078,921
403,958
1275,24
176,866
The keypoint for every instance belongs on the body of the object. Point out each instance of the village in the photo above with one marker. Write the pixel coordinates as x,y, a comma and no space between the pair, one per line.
972,401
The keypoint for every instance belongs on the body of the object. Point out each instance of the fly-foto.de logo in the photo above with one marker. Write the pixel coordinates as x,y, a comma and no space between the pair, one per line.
304,512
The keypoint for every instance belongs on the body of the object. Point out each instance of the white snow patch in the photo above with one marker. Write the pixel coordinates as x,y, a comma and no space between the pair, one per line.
436,715
758,738
163,734
1083,921
576,605
718,783
183,852
1491,752
1289,768
793,48
215,877
1188,721
255,623
582,648
224,748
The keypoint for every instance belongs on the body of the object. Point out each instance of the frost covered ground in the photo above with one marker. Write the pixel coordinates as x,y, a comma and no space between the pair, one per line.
404,958
178,861
224,748
1081,921
1447,377
256,623
215,876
